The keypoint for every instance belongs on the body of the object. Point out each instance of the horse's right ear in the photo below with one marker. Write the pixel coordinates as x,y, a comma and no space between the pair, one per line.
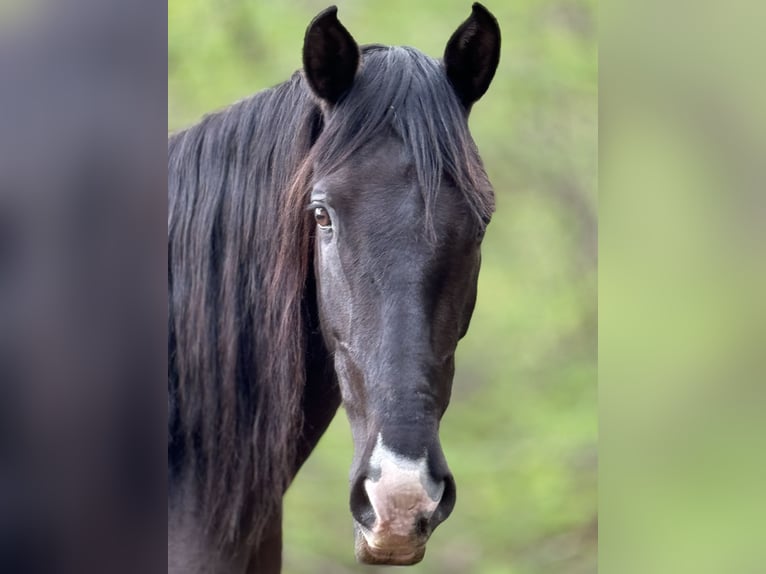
472,55
330,56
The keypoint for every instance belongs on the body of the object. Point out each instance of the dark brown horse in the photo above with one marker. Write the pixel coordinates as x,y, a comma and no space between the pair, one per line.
323,248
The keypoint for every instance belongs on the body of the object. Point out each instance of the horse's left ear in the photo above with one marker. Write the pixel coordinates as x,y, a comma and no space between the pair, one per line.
330,56
472,55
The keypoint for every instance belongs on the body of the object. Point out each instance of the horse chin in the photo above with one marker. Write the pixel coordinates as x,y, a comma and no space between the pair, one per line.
368,552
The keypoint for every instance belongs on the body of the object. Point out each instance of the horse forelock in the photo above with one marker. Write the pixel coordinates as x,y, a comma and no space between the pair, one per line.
401,90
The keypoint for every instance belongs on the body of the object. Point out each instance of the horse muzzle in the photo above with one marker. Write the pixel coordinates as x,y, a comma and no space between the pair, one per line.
396,505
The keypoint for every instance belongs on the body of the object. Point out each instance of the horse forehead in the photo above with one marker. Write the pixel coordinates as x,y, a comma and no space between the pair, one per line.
380,183
378,161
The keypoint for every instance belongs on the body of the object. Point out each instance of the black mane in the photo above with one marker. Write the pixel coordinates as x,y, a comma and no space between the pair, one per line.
236,337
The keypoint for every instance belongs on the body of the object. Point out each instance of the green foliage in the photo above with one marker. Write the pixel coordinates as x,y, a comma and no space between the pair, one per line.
521,432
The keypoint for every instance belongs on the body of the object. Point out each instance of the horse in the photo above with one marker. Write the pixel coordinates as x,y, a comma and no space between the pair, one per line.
324,242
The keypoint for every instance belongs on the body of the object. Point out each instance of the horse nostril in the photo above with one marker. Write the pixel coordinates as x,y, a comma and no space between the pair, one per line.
423,527
361,507
446,503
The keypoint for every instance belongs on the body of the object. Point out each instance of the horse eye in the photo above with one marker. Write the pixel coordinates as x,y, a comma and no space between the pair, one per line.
322,217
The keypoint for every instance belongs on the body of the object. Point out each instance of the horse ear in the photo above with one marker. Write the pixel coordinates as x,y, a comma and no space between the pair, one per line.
472,55
330,56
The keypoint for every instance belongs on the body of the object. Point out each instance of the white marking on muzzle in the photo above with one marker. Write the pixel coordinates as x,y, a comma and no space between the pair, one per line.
401,492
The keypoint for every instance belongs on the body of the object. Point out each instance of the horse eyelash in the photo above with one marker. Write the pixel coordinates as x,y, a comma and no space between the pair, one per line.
314,204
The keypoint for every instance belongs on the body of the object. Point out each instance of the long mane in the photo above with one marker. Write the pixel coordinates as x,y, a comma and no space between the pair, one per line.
237,265
239,249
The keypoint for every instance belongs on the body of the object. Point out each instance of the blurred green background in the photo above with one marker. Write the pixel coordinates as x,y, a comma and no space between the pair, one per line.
521,432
